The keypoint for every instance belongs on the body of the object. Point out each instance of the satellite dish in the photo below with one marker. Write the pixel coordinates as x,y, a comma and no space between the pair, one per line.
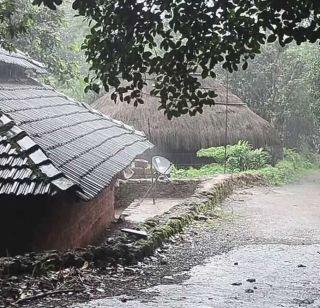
162,165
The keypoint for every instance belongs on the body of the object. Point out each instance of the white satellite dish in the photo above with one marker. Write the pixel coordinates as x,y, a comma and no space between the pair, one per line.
162,165
163,168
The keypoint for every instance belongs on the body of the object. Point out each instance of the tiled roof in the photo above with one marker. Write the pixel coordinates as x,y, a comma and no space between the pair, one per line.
20,59
83,145
24,167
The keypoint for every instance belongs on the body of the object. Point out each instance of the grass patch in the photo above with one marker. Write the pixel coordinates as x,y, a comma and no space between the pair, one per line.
193,173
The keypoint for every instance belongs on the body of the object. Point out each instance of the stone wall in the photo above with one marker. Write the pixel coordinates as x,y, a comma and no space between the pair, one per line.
128,191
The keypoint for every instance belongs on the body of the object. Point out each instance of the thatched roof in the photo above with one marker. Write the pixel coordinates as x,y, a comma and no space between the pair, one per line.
189,134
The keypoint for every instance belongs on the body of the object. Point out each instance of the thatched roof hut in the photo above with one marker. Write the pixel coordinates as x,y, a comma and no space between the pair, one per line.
180,138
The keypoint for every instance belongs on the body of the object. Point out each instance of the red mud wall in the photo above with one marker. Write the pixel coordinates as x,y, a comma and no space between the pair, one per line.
76,224
30,224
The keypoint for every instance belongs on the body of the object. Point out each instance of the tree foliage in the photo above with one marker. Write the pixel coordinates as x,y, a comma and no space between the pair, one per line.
174,39
282,85
43,39
10,25
51,37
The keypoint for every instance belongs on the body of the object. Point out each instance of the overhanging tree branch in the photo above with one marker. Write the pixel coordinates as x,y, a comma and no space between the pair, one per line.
191,36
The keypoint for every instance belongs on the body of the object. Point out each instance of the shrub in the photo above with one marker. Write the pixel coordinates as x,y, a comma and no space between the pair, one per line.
290,168
240,157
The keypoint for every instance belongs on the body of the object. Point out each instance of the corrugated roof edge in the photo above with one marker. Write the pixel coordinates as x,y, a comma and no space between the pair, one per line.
61,183
92,110
86,198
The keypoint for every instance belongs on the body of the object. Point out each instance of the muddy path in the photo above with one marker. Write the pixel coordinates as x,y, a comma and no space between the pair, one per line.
261,248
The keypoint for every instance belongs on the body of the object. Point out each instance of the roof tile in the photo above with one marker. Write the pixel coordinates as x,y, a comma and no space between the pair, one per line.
68,142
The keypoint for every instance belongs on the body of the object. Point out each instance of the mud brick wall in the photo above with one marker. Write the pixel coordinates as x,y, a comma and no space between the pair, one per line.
128,191
77,224
34,224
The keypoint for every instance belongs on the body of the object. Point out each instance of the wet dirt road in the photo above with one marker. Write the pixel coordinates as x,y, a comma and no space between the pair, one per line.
270,256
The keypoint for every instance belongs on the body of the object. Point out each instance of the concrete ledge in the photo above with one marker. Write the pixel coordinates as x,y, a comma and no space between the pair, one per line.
124,249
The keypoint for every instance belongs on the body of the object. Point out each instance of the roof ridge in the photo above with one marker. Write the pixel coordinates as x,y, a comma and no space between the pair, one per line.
23,87
21,55
35,154
22,60
85,105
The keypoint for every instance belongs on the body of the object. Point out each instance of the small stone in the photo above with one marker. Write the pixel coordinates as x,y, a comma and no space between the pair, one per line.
255,287
235,263
129,271
251,280
123,299
236,283
163,262
201,217
137,233
249,291
168,278
303,302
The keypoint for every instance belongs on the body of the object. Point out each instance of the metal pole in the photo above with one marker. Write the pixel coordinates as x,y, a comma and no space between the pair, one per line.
153,183
226,126
149,130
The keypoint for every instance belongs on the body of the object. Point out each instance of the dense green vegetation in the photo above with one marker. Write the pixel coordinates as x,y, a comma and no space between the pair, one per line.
175,39
53,38
292,167
239,157
242,158
282,86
